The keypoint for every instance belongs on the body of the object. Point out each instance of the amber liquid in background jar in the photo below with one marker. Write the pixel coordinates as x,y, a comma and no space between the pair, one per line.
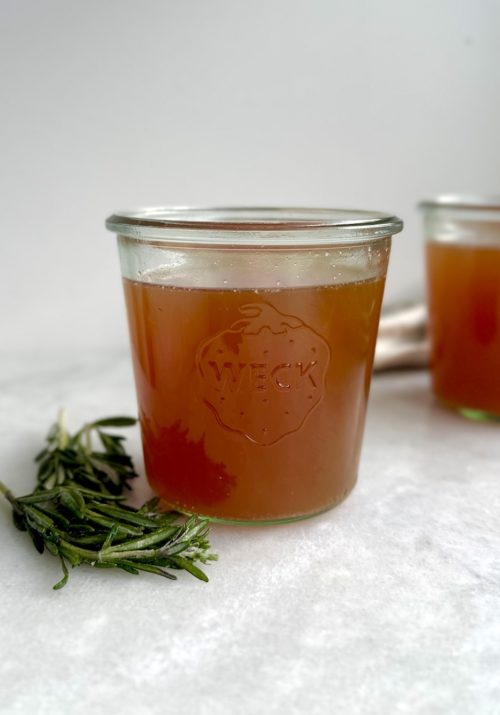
463,289
464,309
252,402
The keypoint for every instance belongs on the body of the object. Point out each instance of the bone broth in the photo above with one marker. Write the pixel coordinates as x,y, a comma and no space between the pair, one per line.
463,288
252,402
252,333
464,303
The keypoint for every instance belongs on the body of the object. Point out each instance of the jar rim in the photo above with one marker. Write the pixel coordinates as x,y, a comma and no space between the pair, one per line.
254,225
462,201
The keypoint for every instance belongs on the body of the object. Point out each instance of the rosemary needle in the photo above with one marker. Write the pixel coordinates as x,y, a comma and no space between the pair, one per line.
76,511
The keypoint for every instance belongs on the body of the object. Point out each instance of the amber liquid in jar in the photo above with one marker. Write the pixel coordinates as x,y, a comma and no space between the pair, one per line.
464,308
252,402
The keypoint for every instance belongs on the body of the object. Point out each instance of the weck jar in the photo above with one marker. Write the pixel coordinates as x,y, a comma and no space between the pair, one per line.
252,333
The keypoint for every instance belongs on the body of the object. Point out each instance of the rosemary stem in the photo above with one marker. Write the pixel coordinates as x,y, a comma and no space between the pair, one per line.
75,511
87,554
104,555
62,434
149,540
7,494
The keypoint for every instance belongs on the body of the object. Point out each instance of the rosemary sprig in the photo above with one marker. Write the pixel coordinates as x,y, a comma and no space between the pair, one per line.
73,457
76,511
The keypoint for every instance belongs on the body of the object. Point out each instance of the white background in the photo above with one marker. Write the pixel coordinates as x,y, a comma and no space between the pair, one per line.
110,104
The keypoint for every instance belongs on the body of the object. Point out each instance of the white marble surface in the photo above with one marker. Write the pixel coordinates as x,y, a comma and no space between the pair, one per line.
388,604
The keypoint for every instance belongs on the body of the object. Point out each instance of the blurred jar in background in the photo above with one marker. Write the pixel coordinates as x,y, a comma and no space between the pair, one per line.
463,288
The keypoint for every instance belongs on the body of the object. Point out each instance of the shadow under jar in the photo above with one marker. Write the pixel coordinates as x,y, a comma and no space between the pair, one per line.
463,286
252,333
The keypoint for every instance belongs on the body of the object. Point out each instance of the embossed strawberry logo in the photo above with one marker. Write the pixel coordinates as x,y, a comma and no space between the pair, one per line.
263,375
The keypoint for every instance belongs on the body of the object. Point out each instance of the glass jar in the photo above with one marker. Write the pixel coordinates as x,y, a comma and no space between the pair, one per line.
463,286
252,333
